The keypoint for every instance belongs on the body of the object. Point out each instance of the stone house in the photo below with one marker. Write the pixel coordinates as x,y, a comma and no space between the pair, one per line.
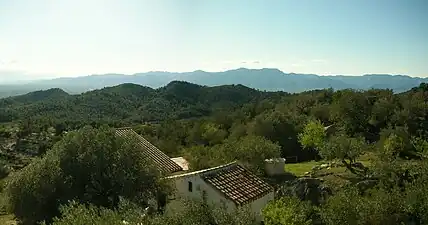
229,185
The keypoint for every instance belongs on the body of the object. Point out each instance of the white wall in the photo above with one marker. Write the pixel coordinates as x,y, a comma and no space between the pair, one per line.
258,205
212,195
275,166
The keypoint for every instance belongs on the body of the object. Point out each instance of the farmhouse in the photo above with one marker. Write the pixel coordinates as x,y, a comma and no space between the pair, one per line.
229,185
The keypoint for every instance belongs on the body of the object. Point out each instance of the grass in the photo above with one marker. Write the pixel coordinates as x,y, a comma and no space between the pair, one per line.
299,169
335,177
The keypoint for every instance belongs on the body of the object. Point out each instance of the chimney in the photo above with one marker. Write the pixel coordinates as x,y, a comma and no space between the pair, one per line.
275,166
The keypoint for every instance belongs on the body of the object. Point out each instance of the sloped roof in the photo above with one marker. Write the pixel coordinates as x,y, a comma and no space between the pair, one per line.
237,183
234,182
160,159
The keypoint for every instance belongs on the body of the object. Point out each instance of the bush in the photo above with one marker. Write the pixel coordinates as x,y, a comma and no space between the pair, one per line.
288,211
192,213
91,166
378,206
4,169
80,214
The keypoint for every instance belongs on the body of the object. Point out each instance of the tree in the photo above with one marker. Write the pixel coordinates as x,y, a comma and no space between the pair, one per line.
213,134
416,196
313,135
288,211
202,157
91,166
350,110
80,214
4,133
339,146
280,127
377,207
251,151
4,169
345,149
397,142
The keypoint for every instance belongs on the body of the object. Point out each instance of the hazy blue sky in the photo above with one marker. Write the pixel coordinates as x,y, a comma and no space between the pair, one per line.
41,38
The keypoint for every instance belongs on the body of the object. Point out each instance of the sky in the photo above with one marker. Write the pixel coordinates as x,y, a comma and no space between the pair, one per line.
57,38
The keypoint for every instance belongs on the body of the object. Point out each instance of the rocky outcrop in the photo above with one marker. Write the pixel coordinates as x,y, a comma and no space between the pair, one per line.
366,184
306,189
325,166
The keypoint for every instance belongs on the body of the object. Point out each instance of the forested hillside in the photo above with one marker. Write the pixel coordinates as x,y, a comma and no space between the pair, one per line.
129,103
368,148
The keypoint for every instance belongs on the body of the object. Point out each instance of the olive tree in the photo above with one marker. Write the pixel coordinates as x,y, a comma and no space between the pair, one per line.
91,166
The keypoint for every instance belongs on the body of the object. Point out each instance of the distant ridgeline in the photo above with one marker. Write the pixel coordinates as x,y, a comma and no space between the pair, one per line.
262,79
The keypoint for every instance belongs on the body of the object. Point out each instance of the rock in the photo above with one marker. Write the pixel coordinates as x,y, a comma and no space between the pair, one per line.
358,165
366,184
306,189
323,166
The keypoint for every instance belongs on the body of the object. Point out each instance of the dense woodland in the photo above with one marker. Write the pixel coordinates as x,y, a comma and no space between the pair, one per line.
54,145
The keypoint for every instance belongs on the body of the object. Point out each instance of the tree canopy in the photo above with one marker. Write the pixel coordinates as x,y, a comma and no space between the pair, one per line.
90,166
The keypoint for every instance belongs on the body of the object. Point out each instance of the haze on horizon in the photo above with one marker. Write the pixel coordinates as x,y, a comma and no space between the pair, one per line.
57,38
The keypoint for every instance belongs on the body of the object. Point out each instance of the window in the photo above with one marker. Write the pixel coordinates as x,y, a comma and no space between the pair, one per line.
190,186
204,196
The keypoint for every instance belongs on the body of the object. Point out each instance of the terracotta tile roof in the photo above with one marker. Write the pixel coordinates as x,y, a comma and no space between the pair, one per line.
237,183
164,163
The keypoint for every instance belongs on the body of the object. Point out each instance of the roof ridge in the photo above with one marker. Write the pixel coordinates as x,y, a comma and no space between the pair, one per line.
205,170
238,184
124,128
159,157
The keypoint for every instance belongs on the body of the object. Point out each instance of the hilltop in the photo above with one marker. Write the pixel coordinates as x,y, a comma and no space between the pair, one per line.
263,79
130,102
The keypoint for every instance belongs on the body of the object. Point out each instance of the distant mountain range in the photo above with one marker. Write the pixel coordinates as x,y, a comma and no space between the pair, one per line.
262,79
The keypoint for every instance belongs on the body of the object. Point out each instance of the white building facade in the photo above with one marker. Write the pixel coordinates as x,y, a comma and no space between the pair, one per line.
229,185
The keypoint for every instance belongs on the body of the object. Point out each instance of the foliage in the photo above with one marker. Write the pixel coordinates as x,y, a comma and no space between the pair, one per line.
79,214
183,114
421,146
338,146
249,150
288,211
377,207
252,151
189,211
192,212
91,166
416,197
343,148
313,135
4,170
129,102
